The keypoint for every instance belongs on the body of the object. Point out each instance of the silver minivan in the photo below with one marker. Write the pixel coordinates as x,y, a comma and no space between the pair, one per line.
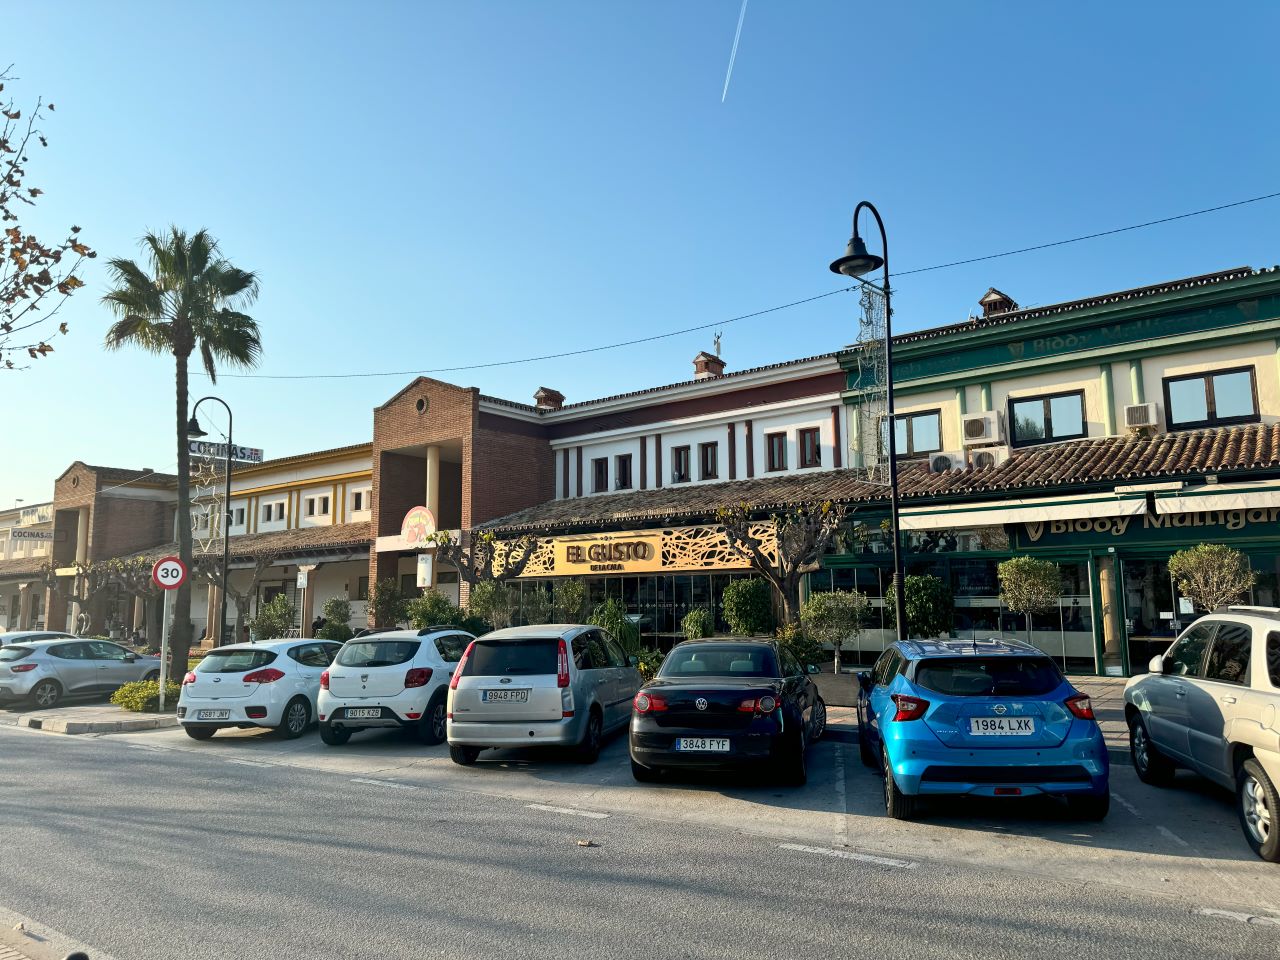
559,684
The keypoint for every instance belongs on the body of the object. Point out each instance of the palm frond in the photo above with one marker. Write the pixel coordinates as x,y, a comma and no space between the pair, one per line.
206,358
230,282
232,337
139,331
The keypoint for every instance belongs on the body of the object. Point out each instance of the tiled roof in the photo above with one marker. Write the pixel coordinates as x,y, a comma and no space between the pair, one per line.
285,542
21,567
1060,466
117,476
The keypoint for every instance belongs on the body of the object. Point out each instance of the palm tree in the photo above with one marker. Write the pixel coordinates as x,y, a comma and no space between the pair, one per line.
188,301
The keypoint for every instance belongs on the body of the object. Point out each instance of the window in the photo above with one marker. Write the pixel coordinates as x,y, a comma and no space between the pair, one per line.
357,501
409,583
1055,416
719,659
362,588
310,655
915,434
989,676
377,653
775,445
1273,657
452,646
272,511
810,447
311,506
622,471
600,475
708,467
239,517
1229,658
317,506
102,650
616,657
1187,655
1211,399
680,465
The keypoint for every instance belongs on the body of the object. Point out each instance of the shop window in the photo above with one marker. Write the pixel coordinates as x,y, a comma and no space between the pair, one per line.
708,454
776,450
1214,399
680,465
1229,658
622,471
409,584
915,434
600,475
1053,416
446,578
362,588
810,447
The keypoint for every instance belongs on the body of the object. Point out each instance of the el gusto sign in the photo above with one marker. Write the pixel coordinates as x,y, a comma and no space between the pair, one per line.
630,553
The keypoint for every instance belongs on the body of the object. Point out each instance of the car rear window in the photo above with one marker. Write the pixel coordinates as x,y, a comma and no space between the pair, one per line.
376,653
989,676
234,661
494,658
452,646
13,653
720,660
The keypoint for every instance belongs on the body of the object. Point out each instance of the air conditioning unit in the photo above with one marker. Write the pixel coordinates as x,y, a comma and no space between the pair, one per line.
942,462
988,457
1139,415
983,427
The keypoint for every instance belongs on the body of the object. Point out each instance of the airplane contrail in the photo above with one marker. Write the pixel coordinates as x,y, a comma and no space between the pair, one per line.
733,54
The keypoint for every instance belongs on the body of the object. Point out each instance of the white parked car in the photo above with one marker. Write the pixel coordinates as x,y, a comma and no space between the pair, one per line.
398,678
1212,704
273,684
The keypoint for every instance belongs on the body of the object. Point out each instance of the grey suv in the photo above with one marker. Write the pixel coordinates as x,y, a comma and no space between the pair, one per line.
560,684
1212,704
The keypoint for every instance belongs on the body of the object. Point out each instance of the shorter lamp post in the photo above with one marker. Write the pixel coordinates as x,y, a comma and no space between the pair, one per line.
193,430
855,263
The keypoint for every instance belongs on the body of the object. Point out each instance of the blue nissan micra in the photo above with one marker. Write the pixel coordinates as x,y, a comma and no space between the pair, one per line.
991,718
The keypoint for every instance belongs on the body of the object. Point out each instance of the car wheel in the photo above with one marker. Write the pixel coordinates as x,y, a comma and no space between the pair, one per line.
897,804
643,774
152,677
589,748
1091,807
1149,763
296,719
199,733
46,694
334,736
1259,804
463,756
432,727
819,720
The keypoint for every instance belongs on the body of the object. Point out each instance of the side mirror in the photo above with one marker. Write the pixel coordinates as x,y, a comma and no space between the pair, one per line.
813,668
864,680
1159,664
633,660
130,658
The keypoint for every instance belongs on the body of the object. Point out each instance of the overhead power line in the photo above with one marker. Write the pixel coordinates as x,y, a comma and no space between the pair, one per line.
746,316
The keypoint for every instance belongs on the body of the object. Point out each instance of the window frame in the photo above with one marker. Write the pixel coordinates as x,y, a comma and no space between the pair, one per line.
309,506
814,434
1244,679
681,454
1045,400
599,480
773,465
618,472
1210,401
357,501
911,450
713,473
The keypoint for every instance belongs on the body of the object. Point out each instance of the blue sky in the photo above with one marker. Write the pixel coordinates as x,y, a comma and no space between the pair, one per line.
425,185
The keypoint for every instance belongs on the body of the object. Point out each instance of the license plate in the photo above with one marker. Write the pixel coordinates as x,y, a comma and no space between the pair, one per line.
702,744
363,713
213,714
504,696
1001,726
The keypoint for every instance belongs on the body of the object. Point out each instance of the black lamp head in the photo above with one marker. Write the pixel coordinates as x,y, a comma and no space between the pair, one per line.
856,260
193,428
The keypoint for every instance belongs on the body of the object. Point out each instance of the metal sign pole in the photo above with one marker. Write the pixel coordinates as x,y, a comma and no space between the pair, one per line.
164,646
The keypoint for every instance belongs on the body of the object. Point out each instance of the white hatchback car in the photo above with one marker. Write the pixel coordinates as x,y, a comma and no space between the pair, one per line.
398,678
272,684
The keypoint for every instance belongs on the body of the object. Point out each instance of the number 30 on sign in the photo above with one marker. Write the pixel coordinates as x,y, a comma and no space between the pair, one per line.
169,573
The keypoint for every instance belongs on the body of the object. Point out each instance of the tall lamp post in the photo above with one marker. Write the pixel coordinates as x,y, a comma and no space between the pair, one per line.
193,430
855,263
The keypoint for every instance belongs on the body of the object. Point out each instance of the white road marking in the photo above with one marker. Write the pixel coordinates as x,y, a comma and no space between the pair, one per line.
384,783
1242,917
851,855
842,822
1170,835
1126,804
249,763
590,814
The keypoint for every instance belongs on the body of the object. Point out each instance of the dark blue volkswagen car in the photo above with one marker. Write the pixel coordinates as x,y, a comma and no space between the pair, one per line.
992,718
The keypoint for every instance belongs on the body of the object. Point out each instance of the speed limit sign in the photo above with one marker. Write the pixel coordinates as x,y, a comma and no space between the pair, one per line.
169,573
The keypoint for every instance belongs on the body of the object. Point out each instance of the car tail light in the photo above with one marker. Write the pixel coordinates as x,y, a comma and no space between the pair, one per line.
189,678
1081,706
417,677
269,675
457,671
324,680
649,703
23,667
909,708
562,665
765,704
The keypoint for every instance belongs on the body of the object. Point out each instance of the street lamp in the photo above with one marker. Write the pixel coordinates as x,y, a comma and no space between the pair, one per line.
855,263
193,430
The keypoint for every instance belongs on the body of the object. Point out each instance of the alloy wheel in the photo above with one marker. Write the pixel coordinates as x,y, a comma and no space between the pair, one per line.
438,718
1257,815
820,721
296,719
1140,757
46,694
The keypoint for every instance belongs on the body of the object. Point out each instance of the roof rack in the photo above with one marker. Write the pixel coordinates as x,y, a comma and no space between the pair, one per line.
436,627
1269,613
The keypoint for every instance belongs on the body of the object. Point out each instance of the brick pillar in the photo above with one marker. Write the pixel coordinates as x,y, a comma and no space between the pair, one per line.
308,612
55,611
82,556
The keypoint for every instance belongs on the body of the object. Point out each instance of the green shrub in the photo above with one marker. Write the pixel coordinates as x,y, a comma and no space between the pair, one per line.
274,620
536,605
697,623
493,602
748,606
569,597
793,637
833,618
337,620
387,603
931,609
430,609
612,615
143,696
650,661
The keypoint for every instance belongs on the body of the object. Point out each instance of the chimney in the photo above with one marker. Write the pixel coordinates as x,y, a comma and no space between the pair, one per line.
548,399
707,365
994,302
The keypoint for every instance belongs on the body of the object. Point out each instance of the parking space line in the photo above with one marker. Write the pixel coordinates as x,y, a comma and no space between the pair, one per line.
842,822
851,855
590,814
1125,803
383,783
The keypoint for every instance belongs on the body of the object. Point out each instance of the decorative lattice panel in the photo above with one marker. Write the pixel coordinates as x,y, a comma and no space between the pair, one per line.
543,561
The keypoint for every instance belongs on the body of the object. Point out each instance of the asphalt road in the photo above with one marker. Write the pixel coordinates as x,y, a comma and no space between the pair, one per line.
249,847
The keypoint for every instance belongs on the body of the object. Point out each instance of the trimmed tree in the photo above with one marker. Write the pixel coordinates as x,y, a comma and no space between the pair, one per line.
569,598
274,619
930,606
431,609
1211,575
1029,585
337,620
748,608
482,556
386,603
834,618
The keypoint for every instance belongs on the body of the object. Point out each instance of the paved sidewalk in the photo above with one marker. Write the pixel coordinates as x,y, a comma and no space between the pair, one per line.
94,718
